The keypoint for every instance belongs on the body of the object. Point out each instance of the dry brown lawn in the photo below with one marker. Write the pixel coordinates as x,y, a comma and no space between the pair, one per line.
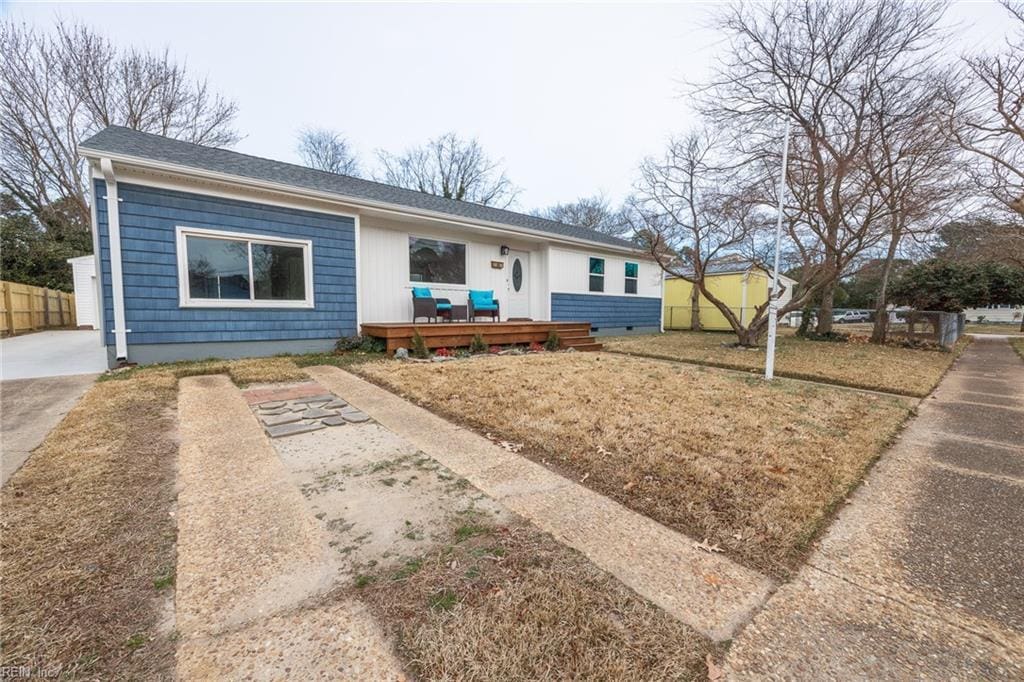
994,328
753,467
1018,345
509,603
88,540
892,369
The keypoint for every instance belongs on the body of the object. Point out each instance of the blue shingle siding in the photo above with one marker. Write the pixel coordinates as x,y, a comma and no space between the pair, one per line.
607,311
149,217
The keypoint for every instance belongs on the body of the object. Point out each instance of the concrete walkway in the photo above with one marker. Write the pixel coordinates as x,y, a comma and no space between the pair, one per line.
29,409
707,591
921,576
52,354
252,559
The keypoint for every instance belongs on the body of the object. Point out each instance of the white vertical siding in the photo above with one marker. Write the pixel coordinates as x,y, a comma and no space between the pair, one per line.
385,289
570,273
83,271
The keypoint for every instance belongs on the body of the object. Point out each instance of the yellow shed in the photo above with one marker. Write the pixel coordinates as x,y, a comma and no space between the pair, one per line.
741,286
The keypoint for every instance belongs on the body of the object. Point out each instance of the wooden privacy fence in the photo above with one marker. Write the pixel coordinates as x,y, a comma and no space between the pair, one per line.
27,308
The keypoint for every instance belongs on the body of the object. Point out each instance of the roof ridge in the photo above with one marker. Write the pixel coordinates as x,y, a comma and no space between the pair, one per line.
600,236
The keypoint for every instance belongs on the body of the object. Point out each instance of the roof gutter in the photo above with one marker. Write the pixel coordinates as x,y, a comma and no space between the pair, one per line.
346,199
116,274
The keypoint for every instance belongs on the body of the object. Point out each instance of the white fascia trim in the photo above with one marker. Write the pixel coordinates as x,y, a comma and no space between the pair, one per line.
358,202
184,301
116,274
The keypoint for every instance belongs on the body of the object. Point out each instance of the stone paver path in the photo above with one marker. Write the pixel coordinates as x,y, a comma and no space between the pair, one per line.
252,559
708,592
921,576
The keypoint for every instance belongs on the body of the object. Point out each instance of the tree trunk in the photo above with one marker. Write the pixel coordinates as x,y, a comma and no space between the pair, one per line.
881,328
695,309
747,336
825,310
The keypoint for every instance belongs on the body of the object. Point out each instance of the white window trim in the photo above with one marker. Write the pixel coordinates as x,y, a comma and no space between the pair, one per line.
446,285
185,301
603,276
627,278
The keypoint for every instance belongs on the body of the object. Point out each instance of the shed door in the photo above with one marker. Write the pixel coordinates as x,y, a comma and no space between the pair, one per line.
518,284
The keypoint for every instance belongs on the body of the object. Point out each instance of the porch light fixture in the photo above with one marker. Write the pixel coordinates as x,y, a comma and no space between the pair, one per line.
504,250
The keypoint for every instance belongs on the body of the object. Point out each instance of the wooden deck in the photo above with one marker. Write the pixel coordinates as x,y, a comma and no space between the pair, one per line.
459,334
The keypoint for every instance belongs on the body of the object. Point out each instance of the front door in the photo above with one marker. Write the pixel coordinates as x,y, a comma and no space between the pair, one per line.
518,284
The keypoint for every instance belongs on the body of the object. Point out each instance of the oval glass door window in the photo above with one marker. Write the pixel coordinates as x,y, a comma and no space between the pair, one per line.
517,275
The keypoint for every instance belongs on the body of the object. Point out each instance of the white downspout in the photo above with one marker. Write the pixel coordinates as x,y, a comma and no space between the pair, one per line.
97,302
661,322
359,288
116,275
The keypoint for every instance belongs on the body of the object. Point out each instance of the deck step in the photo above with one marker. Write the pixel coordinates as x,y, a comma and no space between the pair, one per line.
585,347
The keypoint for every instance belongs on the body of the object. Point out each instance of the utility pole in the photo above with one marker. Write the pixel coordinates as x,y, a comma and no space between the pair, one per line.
773,301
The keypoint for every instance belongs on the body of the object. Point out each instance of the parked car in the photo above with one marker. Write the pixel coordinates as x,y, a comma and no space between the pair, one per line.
852,316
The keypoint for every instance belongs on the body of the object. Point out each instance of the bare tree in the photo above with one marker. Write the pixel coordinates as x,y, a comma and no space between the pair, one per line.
820,64
986,117
450,167
915,170
691,214
327,150
593,212
57,89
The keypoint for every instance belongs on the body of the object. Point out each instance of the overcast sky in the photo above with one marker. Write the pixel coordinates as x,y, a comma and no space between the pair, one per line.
570,96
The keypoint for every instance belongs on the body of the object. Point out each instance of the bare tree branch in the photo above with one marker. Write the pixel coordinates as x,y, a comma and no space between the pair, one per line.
450,167
58,89
327,150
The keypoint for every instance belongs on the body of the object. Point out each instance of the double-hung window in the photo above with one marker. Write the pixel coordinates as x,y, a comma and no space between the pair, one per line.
596,274
231,270
632,272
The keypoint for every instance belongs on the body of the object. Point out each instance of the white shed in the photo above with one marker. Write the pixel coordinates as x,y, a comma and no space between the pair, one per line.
83,271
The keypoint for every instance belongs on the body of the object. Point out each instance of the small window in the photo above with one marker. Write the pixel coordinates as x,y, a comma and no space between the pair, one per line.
632,271
225,269
597,274
436,261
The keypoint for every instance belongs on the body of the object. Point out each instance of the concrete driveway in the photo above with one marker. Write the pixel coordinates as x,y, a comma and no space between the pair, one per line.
43,376
51,354
29,409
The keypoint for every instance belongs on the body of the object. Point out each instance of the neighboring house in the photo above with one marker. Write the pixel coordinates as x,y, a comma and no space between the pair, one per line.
208,252
741,285
83,272
1009,314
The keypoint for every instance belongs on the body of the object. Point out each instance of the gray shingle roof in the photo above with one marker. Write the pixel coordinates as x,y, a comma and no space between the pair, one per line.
128,142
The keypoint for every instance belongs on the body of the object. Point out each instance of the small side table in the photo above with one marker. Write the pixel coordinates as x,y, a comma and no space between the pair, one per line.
460,312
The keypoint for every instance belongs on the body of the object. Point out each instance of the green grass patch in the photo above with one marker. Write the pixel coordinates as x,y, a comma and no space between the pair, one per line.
469,530
445,600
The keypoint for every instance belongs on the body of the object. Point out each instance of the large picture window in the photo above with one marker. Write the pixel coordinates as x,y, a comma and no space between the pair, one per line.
436,261
597,274
227,269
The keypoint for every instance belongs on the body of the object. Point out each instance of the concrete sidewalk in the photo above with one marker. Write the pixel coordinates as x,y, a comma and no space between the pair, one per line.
921,576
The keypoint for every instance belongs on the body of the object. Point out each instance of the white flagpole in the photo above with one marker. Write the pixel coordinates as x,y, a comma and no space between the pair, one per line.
773,303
